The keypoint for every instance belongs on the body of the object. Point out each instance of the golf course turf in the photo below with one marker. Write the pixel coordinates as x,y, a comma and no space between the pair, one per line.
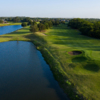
9,23
78,75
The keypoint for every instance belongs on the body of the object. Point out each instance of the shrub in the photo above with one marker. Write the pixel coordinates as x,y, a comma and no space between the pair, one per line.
24,24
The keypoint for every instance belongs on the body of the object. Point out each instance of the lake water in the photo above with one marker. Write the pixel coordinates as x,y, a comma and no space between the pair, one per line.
9,29
24,75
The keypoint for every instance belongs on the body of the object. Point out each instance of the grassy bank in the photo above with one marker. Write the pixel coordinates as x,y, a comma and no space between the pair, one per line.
79,75
6,24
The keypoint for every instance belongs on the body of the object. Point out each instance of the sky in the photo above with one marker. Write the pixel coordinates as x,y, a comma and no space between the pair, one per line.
51,8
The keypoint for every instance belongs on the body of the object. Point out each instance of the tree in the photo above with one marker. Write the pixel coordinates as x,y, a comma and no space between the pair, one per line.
56,22
9,19
34,28
16,19
46,25
50,23
86,27
34,23
63,22
41,26
24,24
1,21
97,25
30,22
27,19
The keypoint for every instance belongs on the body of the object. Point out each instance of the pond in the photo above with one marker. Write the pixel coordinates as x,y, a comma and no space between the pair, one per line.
9,29
24,75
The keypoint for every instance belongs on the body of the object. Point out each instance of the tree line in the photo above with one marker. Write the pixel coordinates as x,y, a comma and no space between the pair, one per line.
45,24
1,21
86,27
42,25
26,19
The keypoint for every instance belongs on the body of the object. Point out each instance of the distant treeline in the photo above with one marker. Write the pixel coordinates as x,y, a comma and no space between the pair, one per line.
86,27
93,20
26,19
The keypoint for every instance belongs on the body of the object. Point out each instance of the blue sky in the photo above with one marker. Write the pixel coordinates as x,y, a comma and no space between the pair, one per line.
51,8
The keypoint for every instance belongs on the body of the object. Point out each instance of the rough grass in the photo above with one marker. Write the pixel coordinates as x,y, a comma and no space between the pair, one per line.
79,71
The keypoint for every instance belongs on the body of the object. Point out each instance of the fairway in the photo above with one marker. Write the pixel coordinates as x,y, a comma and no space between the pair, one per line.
82,70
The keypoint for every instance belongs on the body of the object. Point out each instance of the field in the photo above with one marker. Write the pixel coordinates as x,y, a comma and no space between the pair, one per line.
80,71
9,23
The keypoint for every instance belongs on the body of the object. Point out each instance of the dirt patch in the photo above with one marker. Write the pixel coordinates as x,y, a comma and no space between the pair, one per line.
74,52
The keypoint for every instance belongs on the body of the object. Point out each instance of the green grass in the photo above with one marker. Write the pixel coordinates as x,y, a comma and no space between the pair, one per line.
77,74
9,23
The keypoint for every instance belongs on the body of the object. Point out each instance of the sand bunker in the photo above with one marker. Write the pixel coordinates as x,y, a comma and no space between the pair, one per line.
74,52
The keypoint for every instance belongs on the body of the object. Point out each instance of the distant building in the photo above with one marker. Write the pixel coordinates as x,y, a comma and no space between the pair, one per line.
4,21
